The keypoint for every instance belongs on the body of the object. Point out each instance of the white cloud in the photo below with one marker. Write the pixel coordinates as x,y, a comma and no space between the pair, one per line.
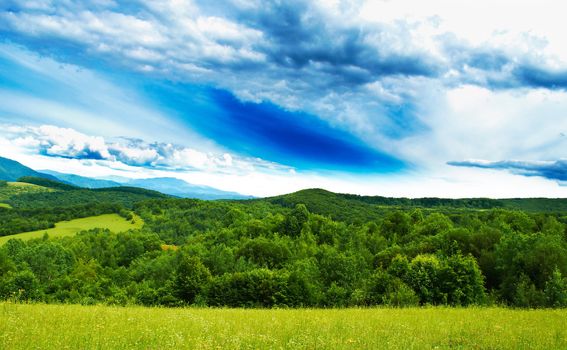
59,142
421,80
447,181
352,63
65,142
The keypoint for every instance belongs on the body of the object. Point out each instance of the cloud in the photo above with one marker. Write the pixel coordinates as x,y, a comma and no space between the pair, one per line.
398,85
554,170
300,55
41,90
370,78
541,77
64,142
68,143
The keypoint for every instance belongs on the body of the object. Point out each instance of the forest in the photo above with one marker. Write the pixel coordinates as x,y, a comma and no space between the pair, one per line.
312,248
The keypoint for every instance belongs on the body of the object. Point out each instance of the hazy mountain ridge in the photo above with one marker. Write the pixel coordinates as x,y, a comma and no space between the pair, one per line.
167,185
11,170
82,181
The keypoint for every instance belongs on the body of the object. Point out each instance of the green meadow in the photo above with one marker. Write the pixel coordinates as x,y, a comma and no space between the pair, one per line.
29,326
112,222
17,188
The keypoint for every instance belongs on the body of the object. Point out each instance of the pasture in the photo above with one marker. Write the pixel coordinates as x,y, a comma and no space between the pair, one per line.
112,222
29,326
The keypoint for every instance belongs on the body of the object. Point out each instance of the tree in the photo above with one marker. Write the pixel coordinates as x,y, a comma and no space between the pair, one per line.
423,278
396,224
556,290
294,221
385,289
461,281
265,252
191,278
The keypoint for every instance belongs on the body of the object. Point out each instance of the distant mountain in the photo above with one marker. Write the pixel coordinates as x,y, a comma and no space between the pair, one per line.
82,181
167,185
180,188
10,170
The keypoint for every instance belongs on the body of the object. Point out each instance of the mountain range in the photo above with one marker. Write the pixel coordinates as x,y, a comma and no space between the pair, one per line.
11,170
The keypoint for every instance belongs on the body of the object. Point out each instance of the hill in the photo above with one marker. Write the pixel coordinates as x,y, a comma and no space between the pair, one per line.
63,195
39,203
355,208
48,183
82,181
180,188
168,185
10,170
311,248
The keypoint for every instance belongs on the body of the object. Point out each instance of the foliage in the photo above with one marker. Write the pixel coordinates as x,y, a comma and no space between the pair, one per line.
48,183
332,251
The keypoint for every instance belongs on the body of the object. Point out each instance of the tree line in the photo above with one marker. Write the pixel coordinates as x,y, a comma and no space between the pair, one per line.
263,254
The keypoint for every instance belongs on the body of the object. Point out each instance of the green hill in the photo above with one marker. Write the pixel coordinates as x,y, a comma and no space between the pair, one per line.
48,183
10,170
355,208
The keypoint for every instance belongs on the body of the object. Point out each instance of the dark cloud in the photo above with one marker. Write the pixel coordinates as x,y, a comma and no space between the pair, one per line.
554,170
269,41
538,77
299,35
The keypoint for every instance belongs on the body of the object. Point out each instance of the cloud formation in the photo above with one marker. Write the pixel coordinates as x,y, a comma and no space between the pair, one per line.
68,143
554,170
320,58
334,82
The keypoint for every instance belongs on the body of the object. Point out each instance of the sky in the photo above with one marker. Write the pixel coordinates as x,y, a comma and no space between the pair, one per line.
394,98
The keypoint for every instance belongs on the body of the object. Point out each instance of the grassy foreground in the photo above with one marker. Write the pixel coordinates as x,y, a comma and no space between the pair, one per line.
113,222
100,327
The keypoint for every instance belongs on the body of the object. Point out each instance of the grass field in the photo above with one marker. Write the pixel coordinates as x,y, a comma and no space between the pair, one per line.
113,222
17,188
25,326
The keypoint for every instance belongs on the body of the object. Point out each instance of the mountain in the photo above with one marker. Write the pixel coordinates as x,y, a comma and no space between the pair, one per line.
82,181
167,185
180,188
10,170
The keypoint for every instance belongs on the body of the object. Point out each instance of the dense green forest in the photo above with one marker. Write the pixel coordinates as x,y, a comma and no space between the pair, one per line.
308,249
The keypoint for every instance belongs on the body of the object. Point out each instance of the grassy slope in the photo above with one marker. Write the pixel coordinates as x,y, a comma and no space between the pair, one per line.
98,327
18,188
113,222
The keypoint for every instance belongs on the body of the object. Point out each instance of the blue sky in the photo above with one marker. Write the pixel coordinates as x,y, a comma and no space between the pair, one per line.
371,97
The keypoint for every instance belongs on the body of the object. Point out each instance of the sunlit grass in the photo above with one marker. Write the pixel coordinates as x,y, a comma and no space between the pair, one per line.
113,222
18,188
4,205
101,327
